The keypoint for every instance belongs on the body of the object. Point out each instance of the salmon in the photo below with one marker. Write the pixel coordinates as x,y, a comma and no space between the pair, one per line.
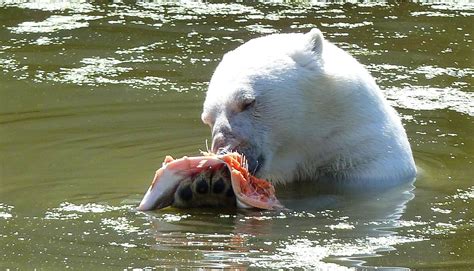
250,191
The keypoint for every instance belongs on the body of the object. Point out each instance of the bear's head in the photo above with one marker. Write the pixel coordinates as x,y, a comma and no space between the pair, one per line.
257,104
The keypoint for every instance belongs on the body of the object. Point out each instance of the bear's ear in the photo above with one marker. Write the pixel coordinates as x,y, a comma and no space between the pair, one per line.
309,49
315,41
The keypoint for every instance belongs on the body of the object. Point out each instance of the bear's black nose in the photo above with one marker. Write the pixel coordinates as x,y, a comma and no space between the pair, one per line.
218,144
222,144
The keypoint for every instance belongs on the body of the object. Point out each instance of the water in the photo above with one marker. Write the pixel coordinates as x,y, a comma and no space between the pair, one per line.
93,95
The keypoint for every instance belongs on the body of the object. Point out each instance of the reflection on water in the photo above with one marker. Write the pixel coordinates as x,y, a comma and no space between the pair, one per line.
93,95
254,238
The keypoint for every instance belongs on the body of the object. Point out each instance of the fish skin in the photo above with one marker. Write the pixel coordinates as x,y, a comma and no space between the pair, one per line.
167,179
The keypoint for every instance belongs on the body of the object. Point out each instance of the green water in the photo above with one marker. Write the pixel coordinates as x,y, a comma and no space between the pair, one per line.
93,95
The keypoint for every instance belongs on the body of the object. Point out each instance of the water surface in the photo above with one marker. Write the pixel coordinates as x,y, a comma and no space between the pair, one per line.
93,95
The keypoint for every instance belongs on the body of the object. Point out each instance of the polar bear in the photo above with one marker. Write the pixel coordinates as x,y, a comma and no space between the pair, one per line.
300,108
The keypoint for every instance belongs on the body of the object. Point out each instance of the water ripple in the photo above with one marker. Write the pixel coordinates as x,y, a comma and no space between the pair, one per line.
55,23
429,98
5,211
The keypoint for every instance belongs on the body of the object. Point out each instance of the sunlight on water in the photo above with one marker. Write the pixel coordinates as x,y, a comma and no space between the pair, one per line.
51,5
5,211
465,195
71,211
55,23
426,98
94,71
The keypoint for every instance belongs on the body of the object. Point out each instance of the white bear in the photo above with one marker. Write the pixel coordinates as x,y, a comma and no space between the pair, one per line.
300,108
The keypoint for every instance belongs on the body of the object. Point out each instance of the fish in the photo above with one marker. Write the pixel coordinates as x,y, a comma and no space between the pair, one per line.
250,191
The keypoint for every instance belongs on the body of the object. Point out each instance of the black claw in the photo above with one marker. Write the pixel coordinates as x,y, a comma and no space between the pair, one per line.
218,186
186,193
202,187
230,192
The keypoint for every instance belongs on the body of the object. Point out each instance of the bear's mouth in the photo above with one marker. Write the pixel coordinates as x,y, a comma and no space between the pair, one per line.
255,165
255,162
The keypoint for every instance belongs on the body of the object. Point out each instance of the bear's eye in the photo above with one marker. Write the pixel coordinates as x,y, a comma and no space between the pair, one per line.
247,104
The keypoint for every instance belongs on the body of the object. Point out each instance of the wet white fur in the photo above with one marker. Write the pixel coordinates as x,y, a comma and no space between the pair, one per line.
318,113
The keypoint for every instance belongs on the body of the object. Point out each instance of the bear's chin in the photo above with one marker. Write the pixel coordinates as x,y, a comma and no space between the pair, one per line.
255,166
